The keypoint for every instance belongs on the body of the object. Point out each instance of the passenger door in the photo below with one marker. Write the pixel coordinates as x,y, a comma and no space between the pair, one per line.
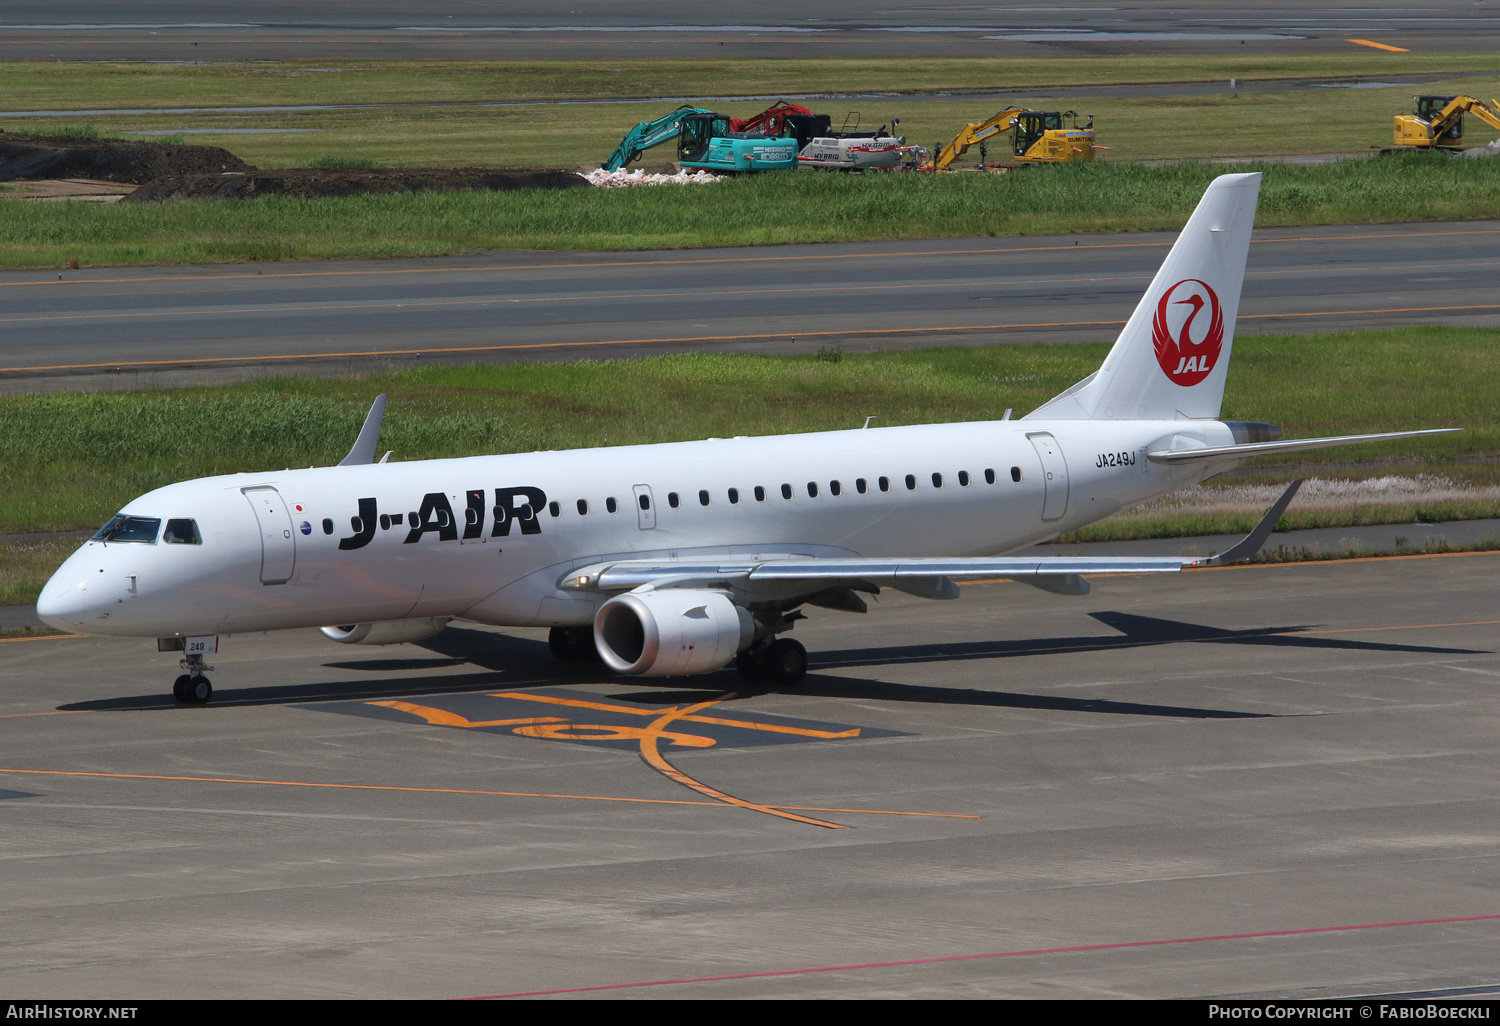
278,545
1054,475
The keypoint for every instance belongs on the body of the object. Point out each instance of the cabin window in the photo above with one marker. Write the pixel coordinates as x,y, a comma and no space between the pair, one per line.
555,508
1015,473
122,528
734,495
413,519
327,526
611,505
760,494
786,491
911,482
703,497
812,489
643,500
673,500
834,488
885,484
860,485
937,480
185,532
583,507
963,478
989,477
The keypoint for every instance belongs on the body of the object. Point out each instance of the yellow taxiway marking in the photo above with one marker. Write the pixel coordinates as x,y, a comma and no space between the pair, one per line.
655,760
42,637
1379,46
774,728
457,790
648,737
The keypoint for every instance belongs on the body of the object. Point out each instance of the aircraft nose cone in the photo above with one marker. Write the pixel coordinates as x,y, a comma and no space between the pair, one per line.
67,604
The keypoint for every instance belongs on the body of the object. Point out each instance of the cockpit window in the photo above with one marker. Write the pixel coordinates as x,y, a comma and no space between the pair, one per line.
123,528
182,532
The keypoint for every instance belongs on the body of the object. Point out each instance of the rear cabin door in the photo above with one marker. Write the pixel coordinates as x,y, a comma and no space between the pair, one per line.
1054,475
645,507
278,547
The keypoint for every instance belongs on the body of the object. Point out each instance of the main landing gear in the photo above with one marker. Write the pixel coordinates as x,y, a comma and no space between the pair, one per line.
782,662
573,644
193,688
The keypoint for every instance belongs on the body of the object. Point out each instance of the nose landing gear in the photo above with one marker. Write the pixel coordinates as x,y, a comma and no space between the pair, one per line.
193,688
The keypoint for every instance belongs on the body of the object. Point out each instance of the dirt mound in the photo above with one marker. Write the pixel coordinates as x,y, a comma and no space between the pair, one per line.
110,160
313,182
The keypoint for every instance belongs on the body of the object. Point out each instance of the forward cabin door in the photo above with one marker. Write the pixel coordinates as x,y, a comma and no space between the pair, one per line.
278,548
645,507
1054,475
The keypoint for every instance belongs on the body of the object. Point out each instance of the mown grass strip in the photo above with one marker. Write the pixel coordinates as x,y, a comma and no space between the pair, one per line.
62,85
791,207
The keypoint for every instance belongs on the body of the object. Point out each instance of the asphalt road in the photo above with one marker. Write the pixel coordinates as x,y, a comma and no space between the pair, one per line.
239,29
161,326
1285,773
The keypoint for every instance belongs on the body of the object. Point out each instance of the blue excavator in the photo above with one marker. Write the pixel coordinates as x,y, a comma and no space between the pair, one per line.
705,140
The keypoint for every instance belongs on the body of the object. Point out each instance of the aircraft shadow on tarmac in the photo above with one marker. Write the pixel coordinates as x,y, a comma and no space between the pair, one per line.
514,662
1137,631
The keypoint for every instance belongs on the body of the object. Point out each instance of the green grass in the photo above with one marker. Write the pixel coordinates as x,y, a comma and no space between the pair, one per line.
577,135
790,207
71,460
333,160
61,85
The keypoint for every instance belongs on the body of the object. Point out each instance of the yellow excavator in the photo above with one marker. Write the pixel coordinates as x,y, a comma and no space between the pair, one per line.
1438,122
1036,137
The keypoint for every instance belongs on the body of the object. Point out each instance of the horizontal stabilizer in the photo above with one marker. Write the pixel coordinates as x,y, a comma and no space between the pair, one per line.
1215,452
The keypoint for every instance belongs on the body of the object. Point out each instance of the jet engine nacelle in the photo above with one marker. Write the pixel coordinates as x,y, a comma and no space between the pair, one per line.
672,631
388,632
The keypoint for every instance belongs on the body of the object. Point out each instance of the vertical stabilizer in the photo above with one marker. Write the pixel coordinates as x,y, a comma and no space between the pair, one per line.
1172,357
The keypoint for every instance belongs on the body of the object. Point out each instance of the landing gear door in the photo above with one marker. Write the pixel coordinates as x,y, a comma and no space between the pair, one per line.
645,507
278,547
1054,475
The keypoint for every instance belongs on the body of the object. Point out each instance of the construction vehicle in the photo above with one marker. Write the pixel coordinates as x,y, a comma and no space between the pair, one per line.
646,135
1037,137
785,120
706,141
1438,123
852,150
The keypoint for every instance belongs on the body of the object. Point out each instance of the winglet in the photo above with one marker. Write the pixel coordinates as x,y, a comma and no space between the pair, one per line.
364,446
1252,542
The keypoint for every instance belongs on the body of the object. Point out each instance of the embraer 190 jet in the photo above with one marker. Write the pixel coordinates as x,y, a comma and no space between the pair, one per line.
681,558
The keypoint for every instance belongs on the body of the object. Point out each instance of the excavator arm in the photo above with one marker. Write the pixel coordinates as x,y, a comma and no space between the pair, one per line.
1462,105
972,134
646,135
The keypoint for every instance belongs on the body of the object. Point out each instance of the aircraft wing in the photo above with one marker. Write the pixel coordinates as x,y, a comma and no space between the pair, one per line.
927,577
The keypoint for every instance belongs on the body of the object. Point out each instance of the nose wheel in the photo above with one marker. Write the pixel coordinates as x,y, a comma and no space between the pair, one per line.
193,688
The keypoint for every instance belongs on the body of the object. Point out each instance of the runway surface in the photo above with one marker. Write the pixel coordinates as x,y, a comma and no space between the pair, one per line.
168,326
239,30
1264,781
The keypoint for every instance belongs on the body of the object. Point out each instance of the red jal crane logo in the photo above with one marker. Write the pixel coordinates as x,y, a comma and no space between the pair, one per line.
1184,360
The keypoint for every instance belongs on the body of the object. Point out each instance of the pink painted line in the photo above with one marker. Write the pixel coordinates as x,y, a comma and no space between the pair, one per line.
993,954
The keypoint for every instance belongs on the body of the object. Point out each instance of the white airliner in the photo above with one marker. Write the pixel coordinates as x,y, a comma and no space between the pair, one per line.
683,557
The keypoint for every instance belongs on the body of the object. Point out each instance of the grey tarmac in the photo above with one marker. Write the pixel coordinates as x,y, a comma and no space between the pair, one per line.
161,327
1301,753
242,30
